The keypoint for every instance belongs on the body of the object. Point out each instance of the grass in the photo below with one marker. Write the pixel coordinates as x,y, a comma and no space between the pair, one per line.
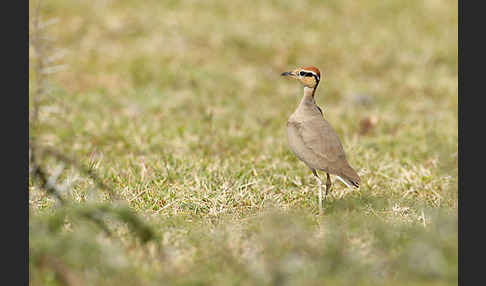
179,107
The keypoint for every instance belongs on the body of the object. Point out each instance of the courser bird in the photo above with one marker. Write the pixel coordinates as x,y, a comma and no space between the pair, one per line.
312,139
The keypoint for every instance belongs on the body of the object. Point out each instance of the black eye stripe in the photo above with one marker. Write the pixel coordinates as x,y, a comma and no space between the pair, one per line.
302,73
309,74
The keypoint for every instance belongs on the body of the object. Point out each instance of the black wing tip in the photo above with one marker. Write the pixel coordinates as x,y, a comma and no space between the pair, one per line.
356,183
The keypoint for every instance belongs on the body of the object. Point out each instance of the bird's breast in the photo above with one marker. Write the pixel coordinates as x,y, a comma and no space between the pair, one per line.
296,143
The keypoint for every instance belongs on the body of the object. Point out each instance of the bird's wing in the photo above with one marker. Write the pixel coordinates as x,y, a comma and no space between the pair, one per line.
319,136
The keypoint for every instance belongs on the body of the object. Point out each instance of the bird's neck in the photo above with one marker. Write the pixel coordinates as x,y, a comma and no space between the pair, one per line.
308,98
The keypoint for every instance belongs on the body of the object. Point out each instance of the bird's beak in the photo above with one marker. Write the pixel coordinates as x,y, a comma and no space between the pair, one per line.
288,74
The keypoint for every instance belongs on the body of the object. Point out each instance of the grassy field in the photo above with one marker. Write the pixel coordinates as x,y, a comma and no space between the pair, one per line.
179,107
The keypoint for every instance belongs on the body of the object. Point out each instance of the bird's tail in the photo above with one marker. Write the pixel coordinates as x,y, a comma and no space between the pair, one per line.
349,177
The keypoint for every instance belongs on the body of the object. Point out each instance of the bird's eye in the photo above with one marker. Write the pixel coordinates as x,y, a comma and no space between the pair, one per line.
302,73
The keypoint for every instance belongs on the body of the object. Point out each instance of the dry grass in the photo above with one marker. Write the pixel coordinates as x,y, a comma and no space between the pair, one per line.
178,105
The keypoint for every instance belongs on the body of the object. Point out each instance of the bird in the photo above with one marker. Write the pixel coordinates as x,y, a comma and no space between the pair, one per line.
313,140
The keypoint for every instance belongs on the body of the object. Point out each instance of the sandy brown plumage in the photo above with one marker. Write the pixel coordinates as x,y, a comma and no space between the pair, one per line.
312,139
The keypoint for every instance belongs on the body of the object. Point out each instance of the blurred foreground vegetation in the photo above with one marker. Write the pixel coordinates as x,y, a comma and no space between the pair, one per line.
179,108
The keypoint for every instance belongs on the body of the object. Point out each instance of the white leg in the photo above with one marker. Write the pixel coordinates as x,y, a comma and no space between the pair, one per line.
320,190
320,194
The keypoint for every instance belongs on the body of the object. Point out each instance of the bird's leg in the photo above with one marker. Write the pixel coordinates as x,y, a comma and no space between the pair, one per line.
320,190
328,185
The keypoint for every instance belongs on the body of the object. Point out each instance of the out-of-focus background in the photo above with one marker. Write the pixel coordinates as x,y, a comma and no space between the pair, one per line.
179,109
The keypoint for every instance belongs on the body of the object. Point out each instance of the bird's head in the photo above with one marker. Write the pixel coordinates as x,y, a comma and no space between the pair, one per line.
308,76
